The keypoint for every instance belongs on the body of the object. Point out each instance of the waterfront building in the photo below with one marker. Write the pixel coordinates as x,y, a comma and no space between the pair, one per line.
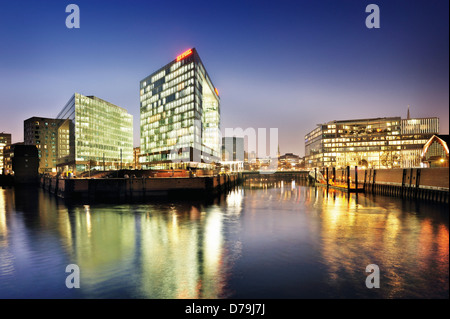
5,140
389,142
25,164
43,133
289,161
180,115
435,152
8,154
94,135
232,154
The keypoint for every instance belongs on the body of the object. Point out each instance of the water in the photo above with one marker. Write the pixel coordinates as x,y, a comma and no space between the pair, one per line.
263,240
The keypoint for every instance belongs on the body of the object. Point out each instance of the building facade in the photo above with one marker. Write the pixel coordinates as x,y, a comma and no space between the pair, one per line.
43,133
371,143
180,115
94,135
5,140
8,154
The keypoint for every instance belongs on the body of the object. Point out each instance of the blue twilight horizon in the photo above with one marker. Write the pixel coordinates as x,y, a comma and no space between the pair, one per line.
284,64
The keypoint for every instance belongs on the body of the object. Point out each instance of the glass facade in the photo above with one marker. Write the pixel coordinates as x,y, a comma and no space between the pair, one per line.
94,134
180,115
372,143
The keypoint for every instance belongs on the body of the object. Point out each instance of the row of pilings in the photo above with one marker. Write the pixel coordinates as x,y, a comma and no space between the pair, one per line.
431,184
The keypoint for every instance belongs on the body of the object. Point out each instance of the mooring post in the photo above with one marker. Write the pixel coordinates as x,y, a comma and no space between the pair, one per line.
334,175
402,191
327,179
348,179
356,178
410,182
416,190
365,178
374,174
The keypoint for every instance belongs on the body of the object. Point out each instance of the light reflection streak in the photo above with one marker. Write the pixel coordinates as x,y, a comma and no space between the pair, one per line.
88,220
3,225
6,257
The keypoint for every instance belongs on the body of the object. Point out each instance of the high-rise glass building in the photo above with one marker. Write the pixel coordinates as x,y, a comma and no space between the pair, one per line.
180,115
388,142
94,134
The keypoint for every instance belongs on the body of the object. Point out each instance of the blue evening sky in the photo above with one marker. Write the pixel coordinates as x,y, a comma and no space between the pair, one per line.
283,64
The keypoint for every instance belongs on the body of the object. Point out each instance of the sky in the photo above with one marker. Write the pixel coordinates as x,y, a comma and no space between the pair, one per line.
277,64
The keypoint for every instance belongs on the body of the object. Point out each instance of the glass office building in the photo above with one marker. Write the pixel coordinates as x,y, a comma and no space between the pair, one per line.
371,143
180,116
94,134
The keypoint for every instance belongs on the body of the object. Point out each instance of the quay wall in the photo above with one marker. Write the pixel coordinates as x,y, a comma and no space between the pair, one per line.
420,183
416,183
137,188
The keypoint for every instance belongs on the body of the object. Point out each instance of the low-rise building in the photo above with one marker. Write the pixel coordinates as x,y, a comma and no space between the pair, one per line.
389,142
25,164
5,140
8,155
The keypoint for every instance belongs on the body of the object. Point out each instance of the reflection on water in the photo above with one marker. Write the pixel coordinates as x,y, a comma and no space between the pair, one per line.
269,239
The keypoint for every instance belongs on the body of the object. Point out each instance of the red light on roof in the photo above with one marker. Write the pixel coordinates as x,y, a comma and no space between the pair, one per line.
217,91
184,54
